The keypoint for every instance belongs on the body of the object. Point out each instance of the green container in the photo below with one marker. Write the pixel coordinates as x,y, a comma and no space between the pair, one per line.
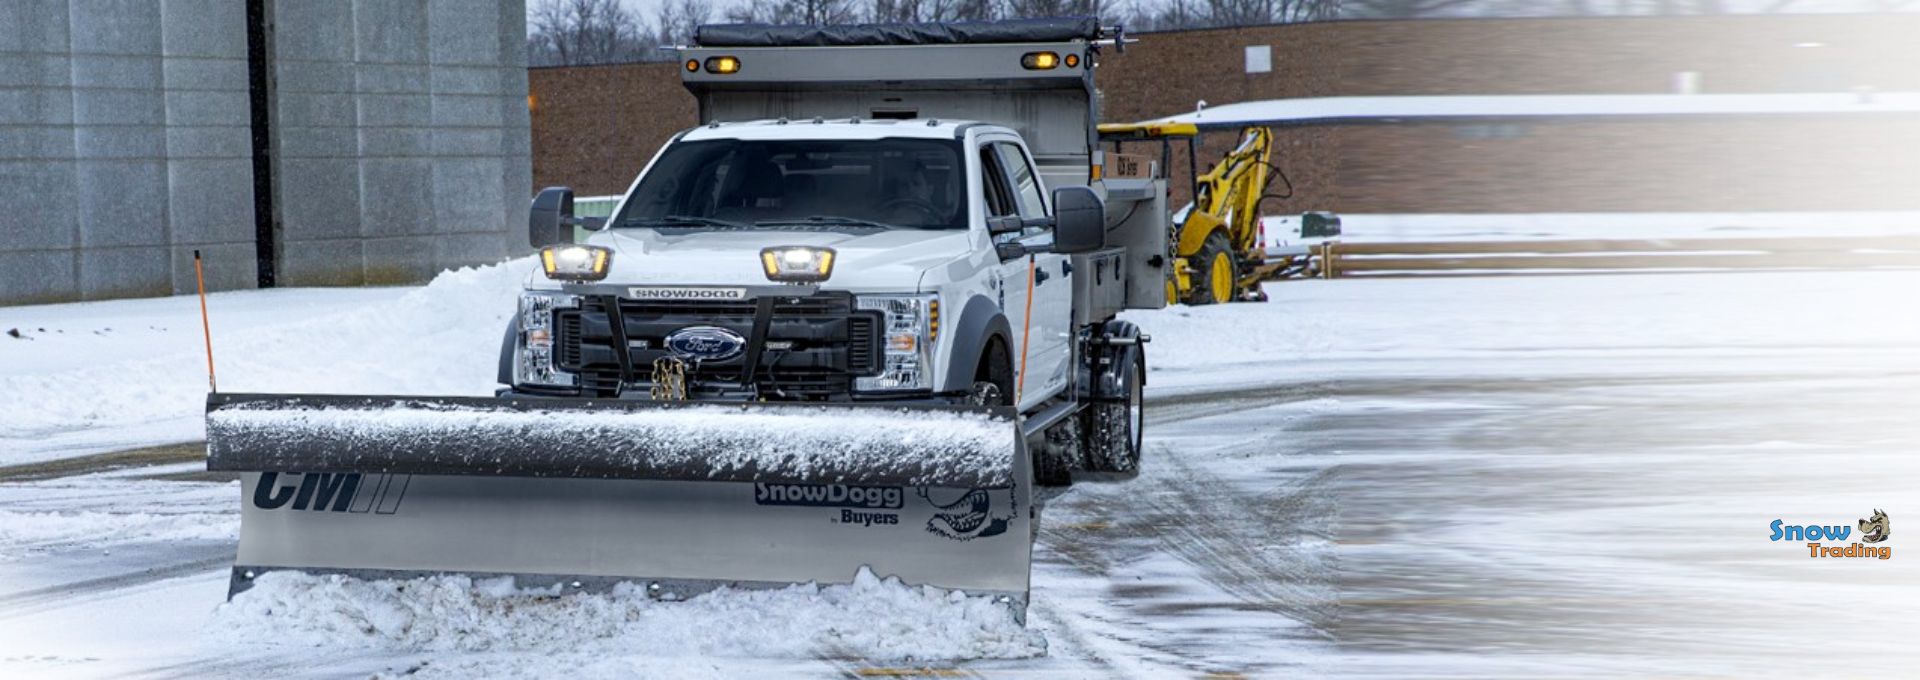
1319,224
592,206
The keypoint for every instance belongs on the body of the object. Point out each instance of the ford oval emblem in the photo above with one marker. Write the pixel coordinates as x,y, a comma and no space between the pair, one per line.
706,343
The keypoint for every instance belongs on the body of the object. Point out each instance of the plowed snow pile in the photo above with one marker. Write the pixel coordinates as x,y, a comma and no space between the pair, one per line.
871,618
443,338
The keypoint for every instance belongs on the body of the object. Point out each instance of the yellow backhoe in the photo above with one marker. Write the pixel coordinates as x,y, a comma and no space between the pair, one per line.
1217,253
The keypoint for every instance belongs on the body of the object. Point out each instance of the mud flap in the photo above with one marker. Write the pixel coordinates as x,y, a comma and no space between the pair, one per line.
588,493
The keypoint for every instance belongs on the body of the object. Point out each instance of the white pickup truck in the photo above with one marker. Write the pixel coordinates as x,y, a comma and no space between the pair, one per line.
886,253
848,333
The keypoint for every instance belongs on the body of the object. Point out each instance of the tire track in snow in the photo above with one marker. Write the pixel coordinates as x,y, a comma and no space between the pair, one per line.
1266,548
76,593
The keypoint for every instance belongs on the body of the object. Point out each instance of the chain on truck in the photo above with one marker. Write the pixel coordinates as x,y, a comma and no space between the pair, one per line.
885,267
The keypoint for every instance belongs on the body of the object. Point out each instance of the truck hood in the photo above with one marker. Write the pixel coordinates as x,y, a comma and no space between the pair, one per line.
884,261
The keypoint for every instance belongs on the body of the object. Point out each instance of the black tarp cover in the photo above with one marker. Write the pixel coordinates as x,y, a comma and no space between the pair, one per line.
962,32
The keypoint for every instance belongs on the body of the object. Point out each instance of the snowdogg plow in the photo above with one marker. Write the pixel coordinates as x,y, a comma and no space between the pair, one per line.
853,320
679,496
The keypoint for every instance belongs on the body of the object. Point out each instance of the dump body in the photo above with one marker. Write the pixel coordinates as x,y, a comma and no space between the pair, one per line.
804,72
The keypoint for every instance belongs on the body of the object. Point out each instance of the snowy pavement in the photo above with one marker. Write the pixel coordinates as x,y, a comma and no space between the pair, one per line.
1555,476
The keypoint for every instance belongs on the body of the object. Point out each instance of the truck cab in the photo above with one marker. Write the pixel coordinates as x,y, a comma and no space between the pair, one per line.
930,225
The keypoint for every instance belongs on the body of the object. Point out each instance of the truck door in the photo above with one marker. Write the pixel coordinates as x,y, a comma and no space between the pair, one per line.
1049,354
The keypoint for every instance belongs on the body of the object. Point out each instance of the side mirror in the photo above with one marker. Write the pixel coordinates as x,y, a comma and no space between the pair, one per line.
550,222
1005,225
1079,221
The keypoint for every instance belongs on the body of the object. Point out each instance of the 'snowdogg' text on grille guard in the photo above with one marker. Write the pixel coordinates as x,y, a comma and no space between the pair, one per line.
800,348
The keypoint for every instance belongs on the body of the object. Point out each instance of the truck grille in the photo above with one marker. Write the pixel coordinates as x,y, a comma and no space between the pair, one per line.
830,343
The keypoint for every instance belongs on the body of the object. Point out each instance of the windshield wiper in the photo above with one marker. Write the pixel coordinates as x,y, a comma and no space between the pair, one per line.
684,221
832,219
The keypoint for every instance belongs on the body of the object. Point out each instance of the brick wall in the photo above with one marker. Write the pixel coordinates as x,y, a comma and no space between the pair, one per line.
1799,163
595,126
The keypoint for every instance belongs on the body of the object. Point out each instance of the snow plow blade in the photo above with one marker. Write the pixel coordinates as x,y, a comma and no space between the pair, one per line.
681,496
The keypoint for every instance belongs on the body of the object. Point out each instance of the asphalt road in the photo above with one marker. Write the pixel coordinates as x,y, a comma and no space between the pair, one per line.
1600,519
1608,523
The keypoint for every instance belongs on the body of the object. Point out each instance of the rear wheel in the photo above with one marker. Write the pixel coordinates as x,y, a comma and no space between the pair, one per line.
1217,271
1115,428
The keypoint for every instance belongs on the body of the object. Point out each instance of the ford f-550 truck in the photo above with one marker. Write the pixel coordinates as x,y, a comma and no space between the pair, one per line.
867,216
848,322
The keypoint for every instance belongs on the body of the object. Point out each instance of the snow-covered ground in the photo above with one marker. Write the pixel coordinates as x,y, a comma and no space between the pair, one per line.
1388,227
100,376
1549,476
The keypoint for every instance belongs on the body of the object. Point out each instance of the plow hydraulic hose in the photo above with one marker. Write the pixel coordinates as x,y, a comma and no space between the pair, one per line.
1026,332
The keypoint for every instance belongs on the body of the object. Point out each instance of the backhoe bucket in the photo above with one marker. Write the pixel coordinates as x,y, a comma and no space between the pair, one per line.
682,497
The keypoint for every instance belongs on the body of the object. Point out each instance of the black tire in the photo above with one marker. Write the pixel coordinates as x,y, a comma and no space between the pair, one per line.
993,386
1054,454
1204,263
993,380
1115,428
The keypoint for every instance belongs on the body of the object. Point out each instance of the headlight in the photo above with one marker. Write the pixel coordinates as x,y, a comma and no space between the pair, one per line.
575,263
909,324
797,264
534,363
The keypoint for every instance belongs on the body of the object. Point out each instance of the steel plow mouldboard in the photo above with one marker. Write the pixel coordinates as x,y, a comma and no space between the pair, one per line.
945,446
653,533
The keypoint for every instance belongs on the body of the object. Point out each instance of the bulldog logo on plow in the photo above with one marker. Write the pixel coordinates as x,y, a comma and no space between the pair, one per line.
978,513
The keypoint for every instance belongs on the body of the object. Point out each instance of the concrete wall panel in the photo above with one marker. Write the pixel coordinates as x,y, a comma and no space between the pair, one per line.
211,201
125,272
39,205
115,26
122,203
39,276
396,198
214,29
126,142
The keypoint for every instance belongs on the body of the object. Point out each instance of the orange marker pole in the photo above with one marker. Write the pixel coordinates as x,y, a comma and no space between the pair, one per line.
1025,333
206,330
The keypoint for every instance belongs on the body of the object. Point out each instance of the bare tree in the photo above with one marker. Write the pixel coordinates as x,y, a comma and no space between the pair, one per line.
1027,9
1166,15
895,11
884,11
677,19
808,12
571,32
977,10
1409,9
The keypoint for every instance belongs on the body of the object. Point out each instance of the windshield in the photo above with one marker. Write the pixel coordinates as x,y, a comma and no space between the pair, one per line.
731,183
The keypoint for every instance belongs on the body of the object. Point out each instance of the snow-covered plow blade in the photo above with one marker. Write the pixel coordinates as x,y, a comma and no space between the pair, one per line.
681,497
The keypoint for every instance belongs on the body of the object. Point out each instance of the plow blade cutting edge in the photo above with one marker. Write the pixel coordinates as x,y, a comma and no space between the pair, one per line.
681,497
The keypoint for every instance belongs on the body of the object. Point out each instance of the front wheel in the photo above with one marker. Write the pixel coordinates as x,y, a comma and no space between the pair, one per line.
1115,428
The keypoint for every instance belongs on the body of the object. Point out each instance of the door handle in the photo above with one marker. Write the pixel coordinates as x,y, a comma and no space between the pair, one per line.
1039,276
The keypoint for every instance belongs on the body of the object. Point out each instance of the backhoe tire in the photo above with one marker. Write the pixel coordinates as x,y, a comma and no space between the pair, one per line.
1114,429
1216,276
